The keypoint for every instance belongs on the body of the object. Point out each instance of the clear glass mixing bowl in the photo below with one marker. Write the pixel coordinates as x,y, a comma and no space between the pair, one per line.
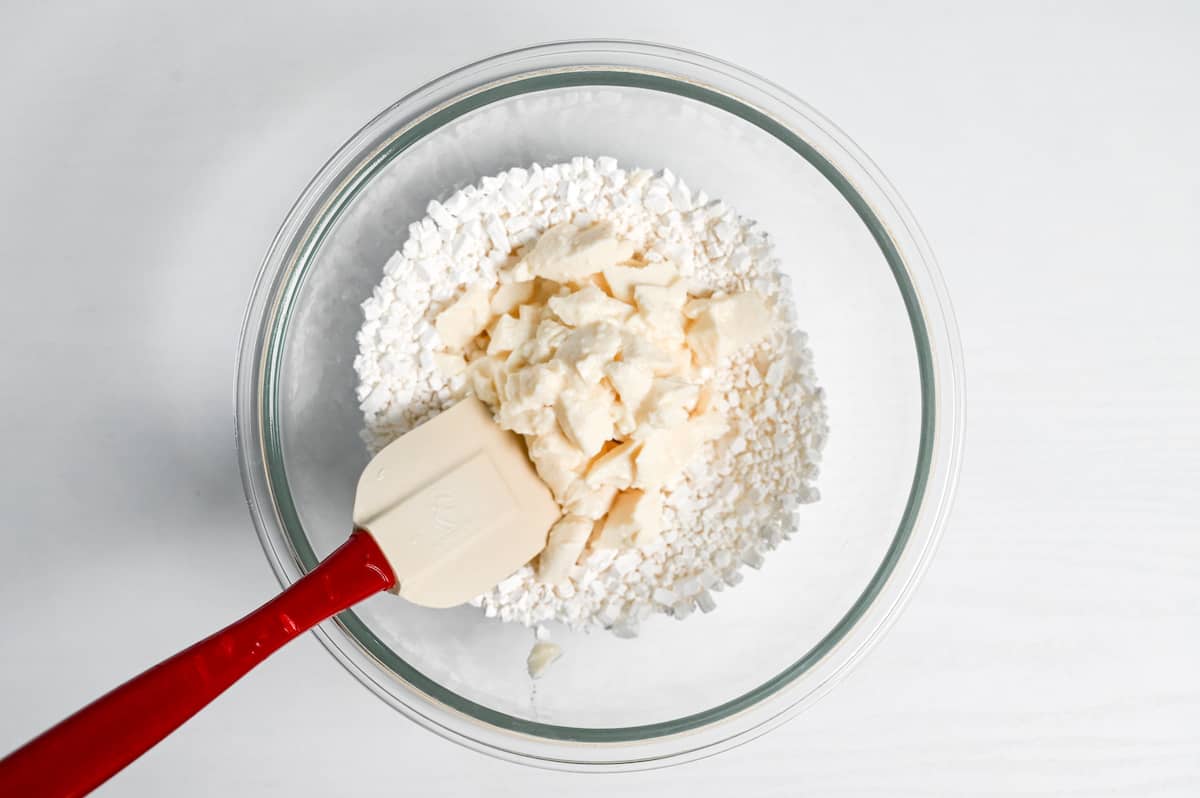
866,289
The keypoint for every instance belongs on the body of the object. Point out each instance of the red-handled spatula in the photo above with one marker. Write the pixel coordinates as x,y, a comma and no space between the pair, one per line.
440,515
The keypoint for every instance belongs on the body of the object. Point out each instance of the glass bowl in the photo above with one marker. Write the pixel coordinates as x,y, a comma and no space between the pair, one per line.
866,289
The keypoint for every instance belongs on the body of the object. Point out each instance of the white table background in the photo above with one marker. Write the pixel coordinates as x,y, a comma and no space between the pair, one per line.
148,154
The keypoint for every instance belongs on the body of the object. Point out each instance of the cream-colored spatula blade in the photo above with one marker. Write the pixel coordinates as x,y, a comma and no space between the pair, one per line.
455,505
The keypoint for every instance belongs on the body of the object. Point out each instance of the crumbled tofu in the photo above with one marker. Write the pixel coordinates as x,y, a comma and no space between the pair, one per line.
590,347
483,375
708,426
541,656
449,364
601,363
632,382
543,289
536,386
511,295
726,324
546,340
464,319
661,307
681,360
564,544
528,396
587,305
668,403
557,476
648,355
554,446
665,452
621,279
508,333
568,254
557,460
586,416
587,501
634,519
658,459
614,467
695,306
533,421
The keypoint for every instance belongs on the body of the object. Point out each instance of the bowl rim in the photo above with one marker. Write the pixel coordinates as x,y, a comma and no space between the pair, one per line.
729,88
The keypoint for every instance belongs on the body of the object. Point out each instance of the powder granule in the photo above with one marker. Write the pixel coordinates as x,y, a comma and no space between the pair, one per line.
732,504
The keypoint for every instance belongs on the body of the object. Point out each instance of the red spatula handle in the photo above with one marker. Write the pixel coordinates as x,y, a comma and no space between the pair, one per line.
83,751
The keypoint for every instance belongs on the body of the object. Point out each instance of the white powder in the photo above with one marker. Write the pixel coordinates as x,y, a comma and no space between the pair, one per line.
732,504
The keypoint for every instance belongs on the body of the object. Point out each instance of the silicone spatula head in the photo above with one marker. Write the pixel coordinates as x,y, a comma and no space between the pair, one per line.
455,505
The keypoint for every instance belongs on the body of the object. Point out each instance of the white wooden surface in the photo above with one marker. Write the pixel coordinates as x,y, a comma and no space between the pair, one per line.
1049,149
